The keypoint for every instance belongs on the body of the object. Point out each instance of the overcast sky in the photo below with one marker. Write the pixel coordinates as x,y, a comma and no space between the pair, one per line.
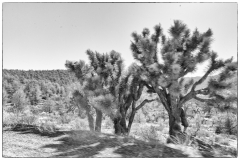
45,35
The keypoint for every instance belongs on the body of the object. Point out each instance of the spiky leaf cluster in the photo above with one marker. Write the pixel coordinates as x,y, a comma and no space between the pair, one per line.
108,66
221,83
105,103
180,52
81,69
144,46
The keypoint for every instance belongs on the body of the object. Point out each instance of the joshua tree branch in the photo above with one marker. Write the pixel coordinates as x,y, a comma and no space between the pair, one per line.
144,102
202,79
162,98
202,100
192,93
128,103
139,92
186,98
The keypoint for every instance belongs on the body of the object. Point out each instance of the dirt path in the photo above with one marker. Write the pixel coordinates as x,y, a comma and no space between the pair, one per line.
80,144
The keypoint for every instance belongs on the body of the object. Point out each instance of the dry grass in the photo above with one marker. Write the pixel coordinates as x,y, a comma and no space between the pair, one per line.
81,144
154,133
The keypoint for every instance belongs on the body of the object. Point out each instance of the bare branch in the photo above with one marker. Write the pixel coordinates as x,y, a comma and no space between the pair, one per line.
144,102
186,98
202,100
202,79
192,93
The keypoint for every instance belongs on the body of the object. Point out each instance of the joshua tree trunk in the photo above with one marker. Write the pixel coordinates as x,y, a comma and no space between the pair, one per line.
117,125
131,121
120,125
131,118
90,121
176,114
98,122
177,118
174,122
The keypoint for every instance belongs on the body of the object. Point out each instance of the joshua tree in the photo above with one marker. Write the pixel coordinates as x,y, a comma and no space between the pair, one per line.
81,101
108,88
180,55
90,87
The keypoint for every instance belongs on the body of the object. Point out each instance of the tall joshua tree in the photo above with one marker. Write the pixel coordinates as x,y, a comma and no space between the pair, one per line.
180,54
109,89
90,87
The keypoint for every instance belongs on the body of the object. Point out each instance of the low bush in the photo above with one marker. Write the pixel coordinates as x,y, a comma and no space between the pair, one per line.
79,124
27,117
65,118
203,133
108,123
9,119
47,127
139,117
149,134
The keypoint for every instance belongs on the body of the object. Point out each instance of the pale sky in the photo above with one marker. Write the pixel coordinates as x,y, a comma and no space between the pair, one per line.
45,35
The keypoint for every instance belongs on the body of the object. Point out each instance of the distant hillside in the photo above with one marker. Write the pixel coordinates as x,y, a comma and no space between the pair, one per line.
233,80
205,83
57,76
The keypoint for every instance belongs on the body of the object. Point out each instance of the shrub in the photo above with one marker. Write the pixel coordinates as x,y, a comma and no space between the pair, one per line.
139,117
108,123
181,139
9,119
36,109
65,118
162,126
149,134
19,100
203,133
219,129
79,124
48,106
28,119
230,127
8,108
47,127
46,124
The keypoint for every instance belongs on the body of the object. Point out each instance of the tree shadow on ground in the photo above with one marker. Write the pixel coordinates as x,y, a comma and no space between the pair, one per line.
86,144
31,129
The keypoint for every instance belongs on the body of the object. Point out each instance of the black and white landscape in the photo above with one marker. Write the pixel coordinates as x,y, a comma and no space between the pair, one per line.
119,80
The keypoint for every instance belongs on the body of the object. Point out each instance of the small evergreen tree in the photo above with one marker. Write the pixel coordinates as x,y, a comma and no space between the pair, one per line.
4,96
19,101
180,55
33,92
